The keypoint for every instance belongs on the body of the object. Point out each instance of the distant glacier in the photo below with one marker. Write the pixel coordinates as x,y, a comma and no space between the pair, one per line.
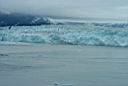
97,34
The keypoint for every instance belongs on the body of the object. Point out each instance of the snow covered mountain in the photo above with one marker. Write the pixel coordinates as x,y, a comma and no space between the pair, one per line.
18,19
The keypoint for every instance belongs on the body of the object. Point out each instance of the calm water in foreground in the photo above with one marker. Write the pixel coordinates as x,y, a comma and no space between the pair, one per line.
63,65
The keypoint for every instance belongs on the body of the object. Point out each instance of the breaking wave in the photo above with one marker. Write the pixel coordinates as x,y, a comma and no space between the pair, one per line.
73,34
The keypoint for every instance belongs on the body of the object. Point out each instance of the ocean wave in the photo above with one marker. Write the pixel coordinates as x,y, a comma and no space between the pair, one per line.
87,34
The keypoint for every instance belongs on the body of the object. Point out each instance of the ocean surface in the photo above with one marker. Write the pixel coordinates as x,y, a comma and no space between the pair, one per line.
71,33
64,54
63,65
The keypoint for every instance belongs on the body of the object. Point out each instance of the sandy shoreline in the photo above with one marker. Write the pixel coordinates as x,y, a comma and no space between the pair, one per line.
45,65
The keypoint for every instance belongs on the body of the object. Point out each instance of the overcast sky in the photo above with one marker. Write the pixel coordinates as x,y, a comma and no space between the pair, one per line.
69,8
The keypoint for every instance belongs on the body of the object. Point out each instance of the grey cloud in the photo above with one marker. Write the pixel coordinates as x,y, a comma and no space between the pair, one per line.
70,8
